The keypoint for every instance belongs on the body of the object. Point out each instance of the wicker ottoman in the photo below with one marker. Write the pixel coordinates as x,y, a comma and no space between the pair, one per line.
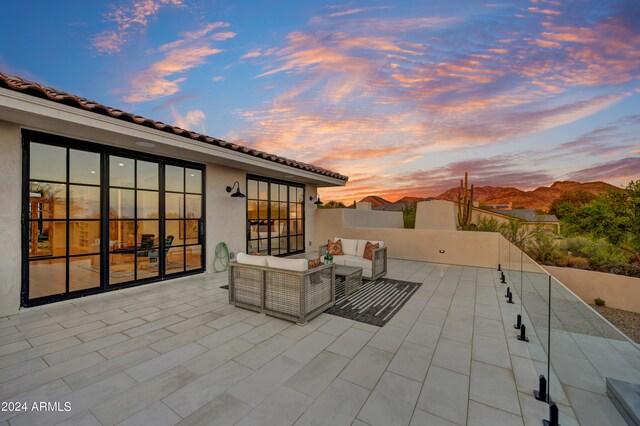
352,277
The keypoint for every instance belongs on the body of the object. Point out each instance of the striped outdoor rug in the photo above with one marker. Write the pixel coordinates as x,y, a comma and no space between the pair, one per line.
375,303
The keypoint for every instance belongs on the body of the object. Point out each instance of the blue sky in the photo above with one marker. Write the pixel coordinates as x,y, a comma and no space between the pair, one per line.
403,97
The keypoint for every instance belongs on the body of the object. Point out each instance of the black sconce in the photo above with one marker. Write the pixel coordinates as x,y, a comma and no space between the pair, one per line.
317,202
236,194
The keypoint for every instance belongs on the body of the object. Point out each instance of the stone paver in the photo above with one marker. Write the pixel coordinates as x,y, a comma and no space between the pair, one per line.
176,352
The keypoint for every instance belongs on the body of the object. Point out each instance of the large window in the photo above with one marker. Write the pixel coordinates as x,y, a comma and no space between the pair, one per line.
63,235
275,217
100,218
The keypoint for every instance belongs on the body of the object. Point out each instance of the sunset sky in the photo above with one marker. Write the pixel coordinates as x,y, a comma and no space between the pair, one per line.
401,96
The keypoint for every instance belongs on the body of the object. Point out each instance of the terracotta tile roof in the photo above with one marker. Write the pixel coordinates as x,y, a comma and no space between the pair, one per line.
35,89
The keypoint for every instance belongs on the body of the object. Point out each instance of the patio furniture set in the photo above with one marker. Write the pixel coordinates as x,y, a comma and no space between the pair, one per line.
297,289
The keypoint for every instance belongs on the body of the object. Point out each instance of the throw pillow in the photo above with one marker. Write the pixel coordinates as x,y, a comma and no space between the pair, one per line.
314,263
368,250
334,248
255,253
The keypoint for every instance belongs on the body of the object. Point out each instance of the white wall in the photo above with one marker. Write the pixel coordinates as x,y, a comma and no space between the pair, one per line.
371,218
10,211
616,290
226,216
310,211
459,248
436,214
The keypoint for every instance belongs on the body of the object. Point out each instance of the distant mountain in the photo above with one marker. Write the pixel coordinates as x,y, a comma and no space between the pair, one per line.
375,200
378,203
538,199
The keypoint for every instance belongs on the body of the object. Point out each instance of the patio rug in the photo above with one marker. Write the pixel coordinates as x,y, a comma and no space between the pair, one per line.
375,303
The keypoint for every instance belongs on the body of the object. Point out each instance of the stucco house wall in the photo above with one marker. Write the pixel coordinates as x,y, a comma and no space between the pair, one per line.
225,217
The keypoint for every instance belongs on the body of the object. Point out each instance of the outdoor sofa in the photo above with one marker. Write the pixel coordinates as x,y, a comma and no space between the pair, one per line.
353,250
280,287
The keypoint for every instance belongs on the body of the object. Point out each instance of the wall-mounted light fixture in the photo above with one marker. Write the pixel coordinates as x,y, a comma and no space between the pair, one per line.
317,202
236,194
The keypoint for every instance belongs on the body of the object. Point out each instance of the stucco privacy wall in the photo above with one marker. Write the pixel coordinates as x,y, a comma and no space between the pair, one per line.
10,236
460,248
617,291
436,214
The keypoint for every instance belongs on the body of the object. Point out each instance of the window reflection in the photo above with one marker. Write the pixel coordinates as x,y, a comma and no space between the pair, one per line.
147,175
84,202
84,167
148,205
194,206
121,203
194,181
174,178
47,200
47,162
121,171
174,206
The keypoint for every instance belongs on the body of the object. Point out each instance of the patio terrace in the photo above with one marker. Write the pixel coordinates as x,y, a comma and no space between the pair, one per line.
177,353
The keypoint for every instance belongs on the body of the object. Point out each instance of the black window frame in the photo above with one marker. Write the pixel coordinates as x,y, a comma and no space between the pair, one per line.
289,184
105,151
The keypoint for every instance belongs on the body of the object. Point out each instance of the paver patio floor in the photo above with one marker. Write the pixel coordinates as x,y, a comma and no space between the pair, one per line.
177,353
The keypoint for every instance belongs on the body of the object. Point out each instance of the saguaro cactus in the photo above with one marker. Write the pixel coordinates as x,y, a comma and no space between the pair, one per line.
465,203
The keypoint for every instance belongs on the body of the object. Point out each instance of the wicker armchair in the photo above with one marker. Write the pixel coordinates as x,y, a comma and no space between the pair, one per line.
291,295
378,262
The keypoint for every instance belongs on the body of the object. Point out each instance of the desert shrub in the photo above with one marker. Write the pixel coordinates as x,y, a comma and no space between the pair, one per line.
599,302
488,225
577,244
409,215
542,247
562,261
599,252
621,268
578,262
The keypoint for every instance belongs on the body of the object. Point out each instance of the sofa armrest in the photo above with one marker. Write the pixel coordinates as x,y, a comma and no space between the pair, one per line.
379,263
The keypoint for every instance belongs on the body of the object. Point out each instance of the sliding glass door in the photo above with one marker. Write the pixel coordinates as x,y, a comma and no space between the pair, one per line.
275,216
98,218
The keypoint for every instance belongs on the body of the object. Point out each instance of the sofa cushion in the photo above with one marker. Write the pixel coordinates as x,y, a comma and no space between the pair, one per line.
251,260
349,247
357,261
363,243
368,250
338,260
334,248
299,265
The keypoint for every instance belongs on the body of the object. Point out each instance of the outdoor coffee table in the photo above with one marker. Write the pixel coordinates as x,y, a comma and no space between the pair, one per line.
352,277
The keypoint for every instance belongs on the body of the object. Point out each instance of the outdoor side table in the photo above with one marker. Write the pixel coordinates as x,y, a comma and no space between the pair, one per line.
352,277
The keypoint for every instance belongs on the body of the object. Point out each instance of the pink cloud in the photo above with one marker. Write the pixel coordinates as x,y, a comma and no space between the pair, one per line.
252,54
620,171
190,51
368,104
356,10
127,20
191,120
